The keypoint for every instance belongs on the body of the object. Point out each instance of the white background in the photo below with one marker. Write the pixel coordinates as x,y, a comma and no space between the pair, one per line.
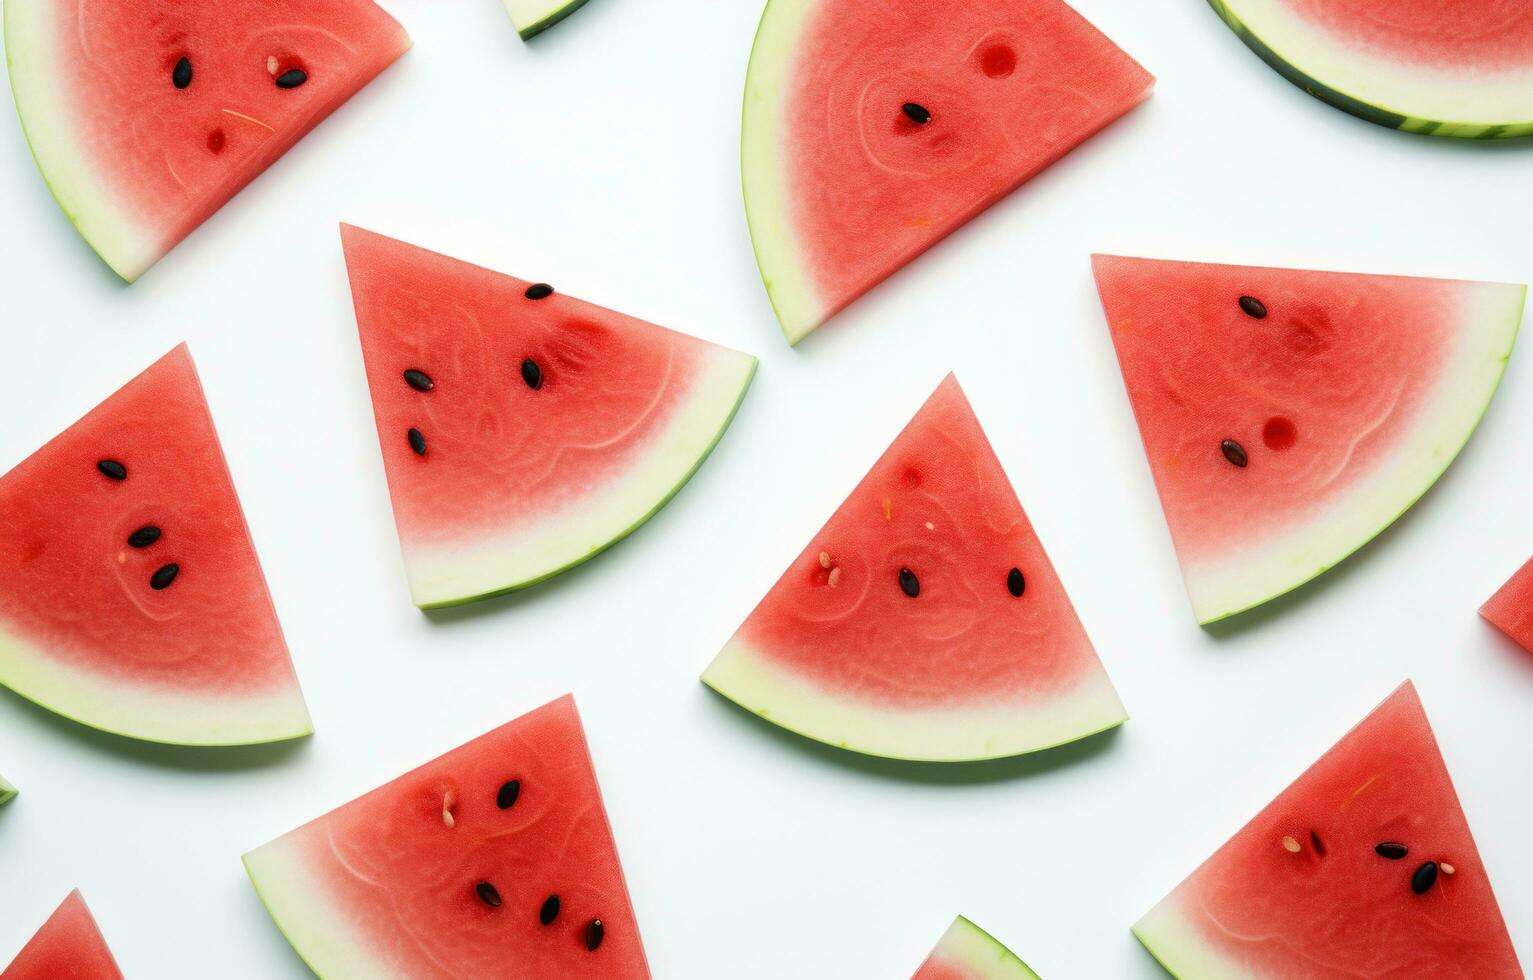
603,158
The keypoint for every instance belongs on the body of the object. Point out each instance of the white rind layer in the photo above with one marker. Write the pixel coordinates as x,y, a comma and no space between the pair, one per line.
1451,101
1176,945
313,924
1281,562
995,730
525,554
981,955
47,120
764,173
151,714
531,17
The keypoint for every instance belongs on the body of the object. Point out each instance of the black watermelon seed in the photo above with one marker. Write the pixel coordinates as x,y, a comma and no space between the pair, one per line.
917,113
292,78
550,910
532,374
417,441
1424,878
910,583
594,933
1234,452
144,536
1015,583
163,576
539,290
1318,844
488,894
181,75
419,380
1390,849
1253,307
509,791
112,469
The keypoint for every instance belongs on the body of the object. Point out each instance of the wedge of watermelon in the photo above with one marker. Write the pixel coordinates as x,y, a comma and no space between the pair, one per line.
144,118
523,431
1290,416
1364,867
924,621
69,946
967,952
871,131
533,17
131,599
494,861
1511,609
7,791
1446,69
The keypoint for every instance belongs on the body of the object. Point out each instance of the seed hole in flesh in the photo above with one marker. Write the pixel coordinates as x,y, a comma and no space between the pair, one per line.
488,894
1253,307
292,78
1279,433
550,910
539,290
417,441
594,934
998,60
1291,845
911,478
144,536
1234,452
181,75
1317,843
1390,849
1424,878
163,576
509,791
910,583
419,380
112,469
217,141
916,113
1015,583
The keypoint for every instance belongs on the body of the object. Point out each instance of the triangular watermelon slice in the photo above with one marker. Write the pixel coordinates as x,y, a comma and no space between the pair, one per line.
69,946
1289,416
872,132
131,599
924,621
146,117
494,860
1511,609
7,791
523,431
533,17
1364,867
967,952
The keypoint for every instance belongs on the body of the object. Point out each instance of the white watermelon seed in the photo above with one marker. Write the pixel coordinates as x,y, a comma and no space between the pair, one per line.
1290,845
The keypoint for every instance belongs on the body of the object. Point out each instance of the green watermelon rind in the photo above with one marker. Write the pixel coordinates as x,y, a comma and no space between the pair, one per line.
454,579
981,952
991,730
1405,97
7,791
1166,935
1447,422
544,14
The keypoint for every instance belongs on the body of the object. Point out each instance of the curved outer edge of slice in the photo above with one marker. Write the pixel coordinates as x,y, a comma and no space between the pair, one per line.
987,957
324,939
763,174
7,791
1415,98
493,564
994,730
533,17
1166,934
148,713
1486,336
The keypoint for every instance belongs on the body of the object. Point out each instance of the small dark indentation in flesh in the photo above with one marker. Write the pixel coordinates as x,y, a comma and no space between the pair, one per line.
1234,452
292,78
112,470
163,576
217,141
1253,307
488,894
1392,850
550,910
1280,433
910,583
181,75
539,290
916,113
998,61
144,536
1317,843
1424,878
595,932
1015,583
419,380
532,374
509,791
417,441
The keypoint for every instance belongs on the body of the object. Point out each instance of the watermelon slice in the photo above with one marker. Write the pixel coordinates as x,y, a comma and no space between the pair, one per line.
131,599
1364,867
69,946
1511,609
924,621
145,118
523,431
533,17
7,791
495,860
1462,69
1290,416
967,952
872,131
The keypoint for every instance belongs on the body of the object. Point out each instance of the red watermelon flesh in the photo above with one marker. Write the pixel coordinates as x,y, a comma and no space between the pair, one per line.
1511,608
844,184
1331,879
492,861
1290,415
544,428
136,158
69,946
979,663
173,638
1481,33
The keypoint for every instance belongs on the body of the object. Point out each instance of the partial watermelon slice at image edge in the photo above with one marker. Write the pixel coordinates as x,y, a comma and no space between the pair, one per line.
69,946
1511,609
1466,104
7,791
968,952
533,17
